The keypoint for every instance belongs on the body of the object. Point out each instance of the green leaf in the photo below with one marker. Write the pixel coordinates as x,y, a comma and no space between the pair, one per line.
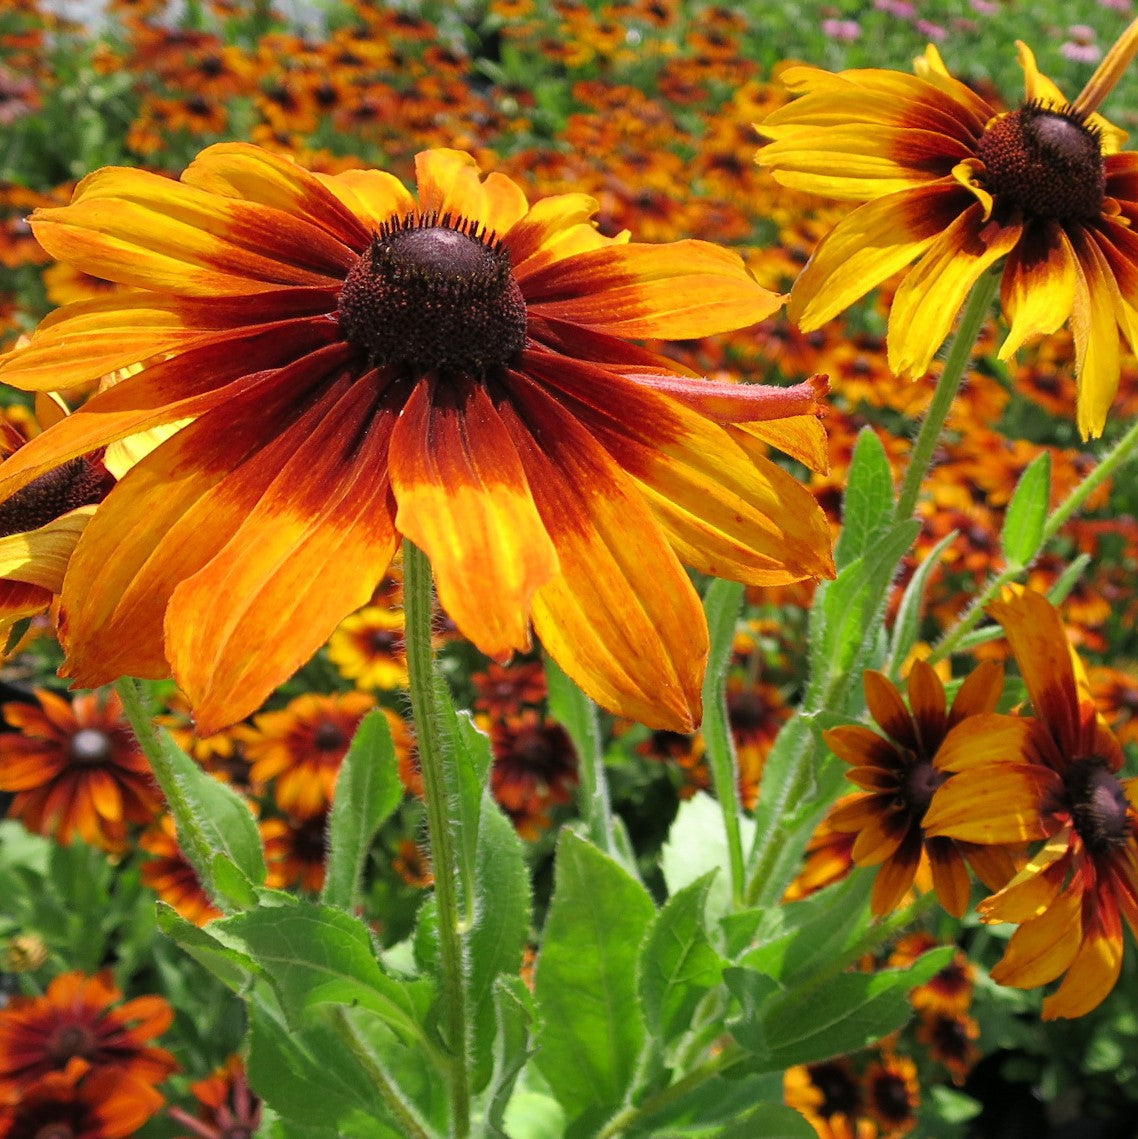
867,507
753,990
230,966
697,845
515,1013
497,940
592,1029
1027,513
368,790
315,954
215,826
846,1012
725,1109
907,627
678,963
953,1106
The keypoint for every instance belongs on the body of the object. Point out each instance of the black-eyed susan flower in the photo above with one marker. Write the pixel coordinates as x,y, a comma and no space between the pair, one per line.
296,851
302,746
1061,786
171,875
228,1108
535,767
367,648
892,1094
83,1018
900,771
961,184
951,1041
362,364
831,1098
947,991
75,768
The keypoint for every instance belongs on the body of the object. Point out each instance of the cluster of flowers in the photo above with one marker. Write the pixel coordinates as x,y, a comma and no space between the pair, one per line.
78,1061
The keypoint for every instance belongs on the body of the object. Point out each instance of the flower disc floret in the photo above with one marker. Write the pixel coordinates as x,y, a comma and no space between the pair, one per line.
1098,805
1045,163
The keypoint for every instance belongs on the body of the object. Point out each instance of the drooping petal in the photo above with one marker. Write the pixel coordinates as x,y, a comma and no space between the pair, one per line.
802,437
896,875
309,552
1097,965
866,248
1038,288
950,876
463,499
1043,948
1035,887
676,291
170,514
927,301
39,557
1039,643
622,618
994,804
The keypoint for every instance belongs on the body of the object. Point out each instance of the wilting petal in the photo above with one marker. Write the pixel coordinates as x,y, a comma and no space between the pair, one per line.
994,804
40,557
1097,965
866,248
676,291
1038,289
802,437
310,551
622,618
463,499
725,403
1039,642
931,295
170,514
1043,948
985,739
138,228
950,876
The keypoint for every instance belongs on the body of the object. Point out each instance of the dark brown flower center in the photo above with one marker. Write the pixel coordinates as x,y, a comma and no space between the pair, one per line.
90,746
434,294
891,1098
67,1040
918,783
55,1131
840,1092
383,641
81,482
1098,805
1044,163
328,737
308,841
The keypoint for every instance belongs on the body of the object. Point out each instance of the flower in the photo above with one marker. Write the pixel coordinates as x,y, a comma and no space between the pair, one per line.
75,768
367,648
80,1018
295,851
900,771
1061,786
892,1094
303,745
81,1104
171,875
228,1107
535,767
947,991
502,691
361,365
951,1041
948,178
830,1096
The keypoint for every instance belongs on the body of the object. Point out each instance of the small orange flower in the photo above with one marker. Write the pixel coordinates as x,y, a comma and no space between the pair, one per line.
949,990
502,691
81,1018
892,1094
900,771
951,1041
413,864
1062,785
829,858
302,747
76,768
367,648
830,1096
171,875
535,766
228,1107
296,851
81,1104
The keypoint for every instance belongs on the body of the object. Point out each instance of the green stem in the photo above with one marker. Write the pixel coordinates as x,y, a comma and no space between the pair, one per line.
975,313
1118,454
191,836
417,607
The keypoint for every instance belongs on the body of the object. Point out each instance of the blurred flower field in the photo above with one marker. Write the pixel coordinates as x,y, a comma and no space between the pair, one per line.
652,108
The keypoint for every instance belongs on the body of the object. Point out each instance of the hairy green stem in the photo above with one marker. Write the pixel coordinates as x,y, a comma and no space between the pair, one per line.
1121,451
417,603
975,313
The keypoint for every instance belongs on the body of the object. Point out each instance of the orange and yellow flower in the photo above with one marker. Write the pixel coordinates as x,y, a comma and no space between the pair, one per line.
75,768
900,771
1062,786
362,365
367,648
82,1018
171,875
961,184
227,1107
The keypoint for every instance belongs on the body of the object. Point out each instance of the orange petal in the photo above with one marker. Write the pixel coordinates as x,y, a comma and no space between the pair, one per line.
374,196
39,557
171,514
675,291
1039,643
950,876
308,553
888,709
979,692
926,698
622,618
995,804
1035,887
555,228
1097,965
895,878
882,836
1043,948
860,746
1038,289
1094,325
995,866
927,301
463,499
984,739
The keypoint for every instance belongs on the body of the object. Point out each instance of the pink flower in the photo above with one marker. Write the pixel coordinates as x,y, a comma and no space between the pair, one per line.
846,30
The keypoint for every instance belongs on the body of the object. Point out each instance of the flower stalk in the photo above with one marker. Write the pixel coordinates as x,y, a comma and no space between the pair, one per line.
417,601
